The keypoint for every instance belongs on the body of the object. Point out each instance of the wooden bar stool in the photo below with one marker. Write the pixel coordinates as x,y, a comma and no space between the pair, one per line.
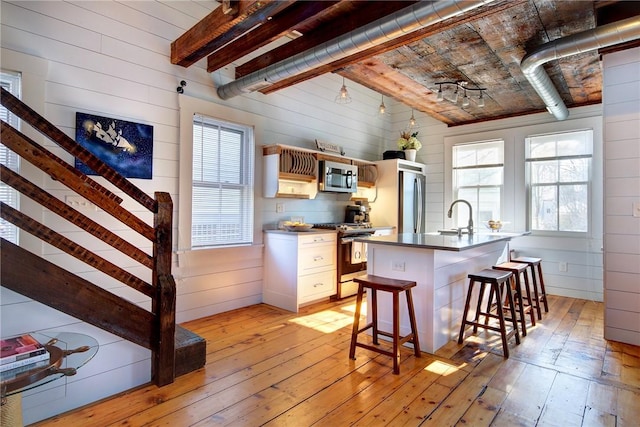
377,283
495,279
518,270
535,264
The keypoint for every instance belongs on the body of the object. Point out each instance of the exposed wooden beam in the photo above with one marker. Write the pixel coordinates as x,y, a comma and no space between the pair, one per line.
461,19
218,29
361,13
282,23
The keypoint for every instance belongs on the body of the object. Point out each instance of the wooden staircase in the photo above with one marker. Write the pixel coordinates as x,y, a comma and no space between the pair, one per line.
175,350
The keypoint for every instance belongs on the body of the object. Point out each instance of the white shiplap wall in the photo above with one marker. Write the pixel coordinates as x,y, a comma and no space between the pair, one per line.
112,59
621,98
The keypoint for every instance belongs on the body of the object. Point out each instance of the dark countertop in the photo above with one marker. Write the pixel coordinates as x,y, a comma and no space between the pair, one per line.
322,230
441,242
313,230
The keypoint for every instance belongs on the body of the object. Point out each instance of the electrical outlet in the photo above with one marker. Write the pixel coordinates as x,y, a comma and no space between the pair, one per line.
397,265
279,207
562,266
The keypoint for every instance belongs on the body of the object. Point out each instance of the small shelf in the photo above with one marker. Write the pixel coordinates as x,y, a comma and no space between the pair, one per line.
297,164
292,196
296,177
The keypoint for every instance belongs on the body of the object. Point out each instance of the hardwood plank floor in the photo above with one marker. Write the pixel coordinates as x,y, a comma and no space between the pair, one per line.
269,367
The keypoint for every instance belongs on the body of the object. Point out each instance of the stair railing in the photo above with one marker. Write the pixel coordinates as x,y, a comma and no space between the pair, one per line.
67,292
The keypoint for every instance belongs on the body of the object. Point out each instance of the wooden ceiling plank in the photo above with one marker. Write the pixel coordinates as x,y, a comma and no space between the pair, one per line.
218,29
282,23
360,13
461,19
393,84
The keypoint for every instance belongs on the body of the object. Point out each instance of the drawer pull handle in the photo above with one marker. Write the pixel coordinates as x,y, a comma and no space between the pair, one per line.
318,239
318,284
318,258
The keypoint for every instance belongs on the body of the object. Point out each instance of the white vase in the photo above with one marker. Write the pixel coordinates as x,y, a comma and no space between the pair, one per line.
410,154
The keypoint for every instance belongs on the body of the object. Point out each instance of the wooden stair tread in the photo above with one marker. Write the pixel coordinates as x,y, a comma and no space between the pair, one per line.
191,351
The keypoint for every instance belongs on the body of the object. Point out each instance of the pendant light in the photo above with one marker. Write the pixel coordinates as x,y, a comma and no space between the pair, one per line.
412,120
382,108
343,96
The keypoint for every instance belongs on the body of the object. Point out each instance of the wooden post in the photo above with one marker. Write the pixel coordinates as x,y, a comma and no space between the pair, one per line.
164,305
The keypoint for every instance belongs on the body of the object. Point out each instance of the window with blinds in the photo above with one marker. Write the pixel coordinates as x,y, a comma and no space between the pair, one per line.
559,180
222,184
478,177
10,82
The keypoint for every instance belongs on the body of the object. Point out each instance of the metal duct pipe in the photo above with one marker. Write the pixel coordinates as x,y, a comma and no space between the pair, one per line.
603,36
412,18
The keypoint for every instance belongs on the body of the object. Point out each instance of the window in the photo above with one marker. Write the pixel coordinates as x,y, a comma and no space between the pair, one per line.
10,82
478,170
559,170
222,185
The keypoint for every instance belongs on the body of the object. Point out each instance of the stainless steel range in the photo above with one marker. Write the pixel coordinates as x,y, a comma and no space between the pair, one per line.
352,256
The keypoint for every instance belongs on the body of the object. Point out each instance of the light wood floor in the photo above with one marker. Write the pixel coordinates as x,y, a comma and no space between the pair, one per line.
266,366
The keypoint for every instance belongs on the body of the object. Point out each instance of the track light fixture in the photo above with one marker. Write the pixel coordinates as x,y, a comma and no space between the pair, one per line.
343,96
180,89
460,86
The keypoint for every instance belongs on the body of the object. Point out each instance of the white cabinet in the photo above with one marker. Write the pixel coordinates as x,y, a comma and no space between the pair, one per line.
289,172
299,268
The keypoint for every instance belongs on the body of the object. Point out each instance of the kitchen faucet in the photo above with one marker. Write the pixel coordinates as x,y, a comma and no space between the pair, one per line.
470,225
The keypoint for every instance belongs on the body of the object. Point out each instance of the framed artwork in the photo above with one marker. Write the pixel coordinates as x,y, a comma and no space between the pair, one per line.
125,146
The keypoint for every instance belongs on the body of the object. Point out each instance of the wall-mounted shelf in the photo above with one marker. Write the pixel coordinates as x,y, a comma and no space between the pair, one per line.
291,172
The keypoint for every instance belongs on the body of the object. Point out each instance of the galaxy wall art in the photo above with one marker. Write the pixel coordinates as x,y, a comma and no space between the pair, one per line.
125,146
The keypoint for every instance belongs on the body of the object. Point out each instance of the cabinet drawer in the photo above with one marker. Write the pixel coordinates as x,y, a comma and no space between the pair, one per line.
318,285
313,239
316,257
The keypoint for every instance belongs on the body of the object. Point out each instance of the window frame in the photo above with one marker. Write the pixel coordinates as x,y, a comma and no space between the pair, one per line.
188,106
455,187
11,81
529,161
245,182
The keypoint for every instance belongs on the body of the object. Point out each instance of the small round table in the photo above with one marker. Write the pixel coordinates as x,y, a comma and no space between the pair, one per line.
68,352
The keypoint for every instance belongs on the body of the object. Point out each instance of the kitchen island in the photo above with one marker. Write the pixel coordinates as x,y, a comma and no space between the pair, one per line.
439,265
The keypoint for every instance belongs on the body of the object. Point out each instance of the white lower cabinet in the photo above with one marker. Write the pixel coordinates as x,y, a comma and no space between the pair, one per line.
299,268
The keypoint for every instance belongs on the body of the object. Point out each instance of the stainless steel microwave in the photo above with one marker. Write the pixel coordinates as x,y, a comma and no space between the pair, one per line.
337,177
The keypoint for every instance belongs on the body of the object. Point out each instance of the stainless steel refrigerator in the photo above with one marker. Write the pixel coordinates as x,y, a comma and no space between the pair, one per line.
401,196
411,202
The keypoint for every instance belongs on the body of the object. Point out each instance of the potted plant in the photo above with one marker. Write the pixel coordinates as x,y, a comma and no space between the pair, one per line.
410,144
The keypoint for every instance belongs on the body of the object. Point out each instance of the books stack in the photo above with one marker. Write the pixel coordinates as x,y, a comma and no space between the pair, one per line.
21,353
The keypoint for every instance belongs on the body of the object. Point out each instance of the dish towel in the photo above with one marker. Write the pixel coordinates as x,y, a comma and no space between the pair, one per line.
358,252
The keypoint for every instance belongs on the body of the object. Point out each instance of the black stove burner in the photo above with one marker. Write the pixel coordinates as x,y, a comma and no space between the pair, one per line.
348,229
344,226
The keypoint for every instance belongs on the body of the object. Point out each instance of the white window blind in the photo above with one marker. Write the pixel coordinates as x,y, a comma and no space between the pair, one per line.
10,82
222,185
559,179
478,177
